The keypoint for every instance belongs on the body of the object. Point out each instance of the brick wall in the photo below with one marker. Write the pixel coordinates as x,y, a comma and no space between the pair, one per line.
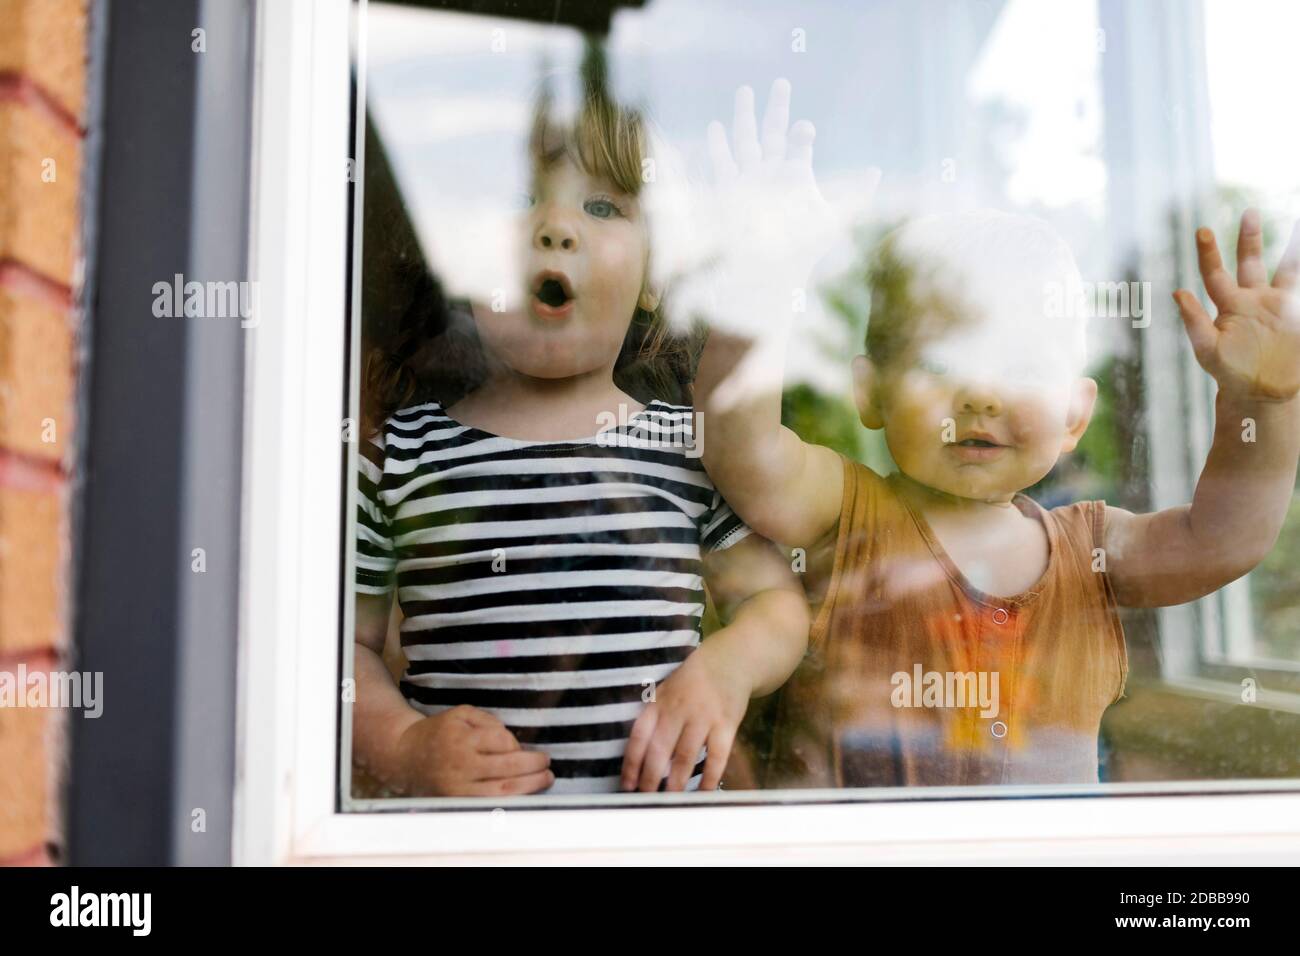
42,97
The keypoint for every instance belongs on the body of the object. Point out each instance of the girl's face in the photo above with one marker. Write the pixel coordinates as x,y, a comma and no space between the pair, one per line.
584,263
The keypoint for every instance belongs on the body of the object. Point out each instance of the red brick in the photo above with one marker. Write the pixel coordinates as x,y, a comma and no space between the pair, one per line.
23,784
45,40
32,535
36,378
38,219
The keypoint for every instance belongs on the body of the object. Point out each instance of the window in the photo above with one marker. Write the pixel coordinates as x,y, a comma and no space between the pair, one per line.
1117,125
1257,632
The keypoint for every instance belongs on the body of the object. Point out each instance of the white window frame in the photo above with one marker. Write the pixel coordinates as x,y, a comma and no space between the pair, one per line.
293,563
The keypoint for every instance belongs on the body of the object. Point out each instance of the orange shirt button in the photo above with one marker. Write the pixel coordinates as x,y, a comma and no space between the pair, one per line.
1000,616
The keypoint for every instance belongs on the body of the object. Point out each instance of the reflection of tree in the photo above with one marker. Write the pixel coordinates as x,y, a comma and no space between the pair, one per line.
831,418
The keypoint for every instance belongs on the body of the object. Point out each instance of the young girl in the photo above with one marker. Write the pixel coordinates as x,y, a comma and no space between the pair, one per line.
549,537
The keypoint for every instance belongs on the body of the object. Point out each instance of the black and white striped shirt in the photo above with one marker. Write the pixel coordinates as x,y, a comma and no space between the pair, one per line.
548,583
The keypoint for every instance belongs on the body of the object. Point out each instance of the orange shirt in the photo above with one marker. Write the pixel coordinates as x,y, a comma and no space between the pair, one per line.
916,677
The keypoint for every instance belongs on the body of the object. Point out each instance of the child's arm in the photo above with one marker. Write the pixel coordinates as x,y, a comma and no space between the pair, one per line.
461,752
1252,349
779,222
704,700
783,487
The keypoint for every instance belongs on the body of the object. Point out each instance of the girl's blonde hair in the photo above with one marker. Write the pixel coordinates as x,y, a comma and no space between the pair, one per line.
436,354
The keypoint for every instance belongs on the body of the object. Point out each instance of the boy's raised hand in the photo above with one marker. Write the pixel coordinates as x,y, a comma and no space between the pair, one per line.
764,223
1252,347
766,188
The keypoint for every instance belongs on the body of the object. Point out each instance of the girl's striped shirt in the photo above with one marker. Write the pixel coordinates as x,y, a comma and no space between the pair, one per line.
552,584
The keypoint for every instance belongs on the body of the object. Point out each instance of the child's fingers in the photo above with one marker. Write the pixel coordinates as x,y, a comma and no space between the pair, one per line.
724,166
637,744
744,132
719,743
1288,270
1218,281
1201,330
1250,251
686,754
511,786
659,754
521,763
776,120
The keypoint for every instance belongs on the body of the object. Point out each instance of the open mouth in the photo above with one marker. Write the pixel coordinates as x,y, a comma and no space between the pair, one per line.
552,292
977,443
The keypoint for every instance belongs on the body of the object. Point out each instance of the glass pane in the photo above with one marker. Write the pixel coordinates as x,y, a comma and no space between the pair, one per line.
936,241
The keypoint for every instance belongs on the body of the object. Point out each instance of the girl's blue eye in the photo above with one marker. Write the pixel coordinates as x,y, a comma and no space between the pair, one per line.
525,200
602,208
933,367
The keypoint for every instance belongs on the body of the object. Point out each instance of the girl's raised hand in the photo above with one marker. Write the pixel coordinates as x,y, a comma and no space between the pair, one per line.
1252,347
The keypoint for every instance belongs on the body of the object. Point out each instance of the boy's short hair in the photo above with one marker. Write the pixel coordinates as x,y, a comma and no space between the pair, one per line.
929,274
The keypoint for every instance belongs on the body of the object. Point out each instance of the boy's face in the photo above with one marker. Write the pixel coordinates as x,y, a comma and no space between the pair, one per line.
584,258
982,412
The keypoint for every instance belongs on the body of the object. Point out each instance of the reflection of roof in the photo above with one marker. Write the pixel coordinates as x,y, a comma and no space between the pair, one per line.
590,16
391,251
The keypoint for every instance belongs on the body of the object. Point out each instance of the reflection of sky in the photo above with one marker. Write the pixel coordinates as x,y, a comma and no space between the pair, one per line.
1054,86
961,104
1251,48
